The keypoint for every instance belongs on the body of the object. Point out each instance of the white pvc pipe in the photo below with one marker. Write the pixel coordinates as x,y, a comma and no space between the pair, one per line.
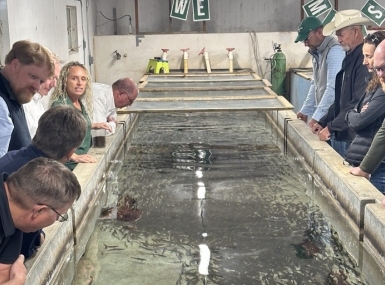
231,64
185,61
208,66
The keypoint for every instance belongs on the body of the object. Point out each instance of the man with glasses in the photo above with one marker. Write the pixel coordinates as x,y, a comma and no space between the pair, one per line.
376,153
327,56
108,98
35,196
350,80
60,131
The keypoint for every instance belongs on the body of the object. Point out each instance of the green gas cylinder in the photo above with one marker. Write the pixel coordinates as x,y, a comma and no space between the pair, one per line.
278,71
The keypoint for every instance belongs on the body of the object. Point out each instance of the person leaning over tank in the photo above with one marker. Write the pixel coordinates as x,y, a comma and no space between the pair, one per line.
367,116
107,99
27,66
34,197
376,152
74,89
350,80
35,108
327,56
60,131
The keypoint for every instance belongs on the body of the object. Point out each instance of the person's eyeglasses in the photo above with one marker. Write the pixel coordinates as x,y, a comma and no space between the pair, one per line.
62,217
372,38
308,37
129,99
379,69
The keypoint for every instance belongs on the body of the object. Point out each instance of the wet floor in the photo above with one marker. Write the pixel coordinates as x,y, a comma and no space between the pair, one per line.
208,198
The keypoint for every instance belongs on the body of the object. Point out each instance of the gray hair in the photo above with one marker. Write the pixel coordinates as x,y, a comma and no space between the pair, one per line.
43,181
60,130
125,84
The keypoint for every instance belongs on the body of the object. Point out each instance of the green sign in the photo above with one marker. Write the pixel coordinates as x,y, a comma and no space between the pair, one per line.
329,17
179,9
374,12
317,7
201,10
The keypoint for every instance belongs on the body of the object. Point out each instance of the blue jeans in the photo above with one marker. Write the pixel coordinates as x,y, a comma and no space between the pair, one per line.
378,178
339,146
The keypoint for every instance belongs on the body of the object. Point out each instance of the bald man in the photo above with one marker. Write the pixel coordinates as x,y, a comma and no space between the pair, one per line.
107,99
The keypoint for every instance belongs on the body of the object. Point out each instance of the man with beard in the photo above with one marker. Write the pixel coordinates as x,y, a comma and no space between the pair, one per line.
27,66
350,80
376,153
327,56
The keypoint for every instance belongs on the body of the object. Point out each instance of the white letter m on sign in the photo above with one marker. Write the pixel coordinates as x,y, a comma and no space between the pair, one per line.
315,7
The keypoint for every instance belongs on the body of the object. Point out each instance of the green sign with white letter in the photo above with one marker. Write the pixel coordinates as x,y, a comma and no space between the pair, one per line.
201,10
317,7
329,17
374,12
179,9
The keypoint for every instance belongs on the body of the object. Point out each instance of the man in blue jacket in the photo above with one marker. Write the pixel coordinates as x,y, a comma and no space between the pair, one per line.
35,196
60,131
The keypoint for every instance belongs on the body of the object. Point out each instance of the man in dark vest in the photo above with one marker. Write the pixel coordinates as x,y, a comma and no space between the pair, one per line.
27,66
327,56
350,80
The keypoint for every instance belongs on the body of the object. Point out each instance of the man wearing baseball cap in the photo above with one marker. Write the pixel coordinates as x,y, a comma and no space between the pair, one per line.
327,56
350,80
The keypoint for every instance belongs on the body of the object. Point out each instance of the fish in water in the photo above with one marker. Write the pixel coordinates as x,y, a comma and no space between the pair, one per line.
337,278
306,249
127,210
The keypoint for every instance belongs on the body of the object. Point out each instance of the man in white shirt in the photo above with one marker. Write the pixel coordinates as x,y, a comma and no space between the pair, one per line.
6,125
108,98
35,108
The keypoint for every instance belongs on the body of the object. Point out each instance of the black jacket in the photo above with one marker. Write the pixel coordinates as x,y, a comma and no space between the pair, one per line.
365,124
20,135
350,87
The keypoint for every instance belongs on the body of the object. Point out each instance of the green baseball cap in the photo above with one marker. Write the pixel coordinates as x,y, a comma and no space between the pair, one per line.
307,25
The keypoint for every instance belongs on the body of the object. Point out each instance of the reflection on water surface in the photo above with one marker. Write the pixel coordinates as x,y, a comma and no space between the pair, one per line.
216,181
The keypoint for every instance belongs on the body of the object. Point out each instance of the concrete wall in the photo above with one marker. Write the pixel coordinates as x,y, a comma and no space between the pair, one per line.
226,16
250,51
45,21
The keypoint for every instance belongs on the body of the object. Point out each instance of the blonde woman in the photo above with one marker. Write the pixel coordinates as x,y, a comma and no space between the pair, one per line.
74,89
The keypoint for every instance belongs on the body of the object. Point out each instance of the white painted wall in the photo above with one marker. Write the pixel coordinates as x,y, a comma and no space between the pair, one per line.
4,35
134,64
44,21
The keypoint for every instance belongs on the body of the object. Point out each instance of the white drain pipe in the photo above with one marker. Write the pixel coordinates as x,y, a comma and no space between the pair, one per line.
231,57
185,59
164,54
206,55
